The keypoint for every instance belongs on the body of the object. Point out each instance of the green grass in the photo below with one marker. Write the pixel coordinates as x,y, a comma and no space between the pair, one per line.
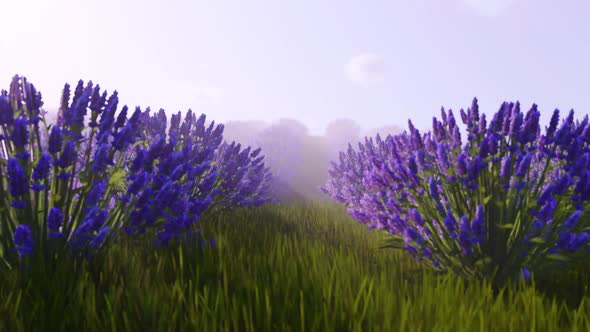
300,267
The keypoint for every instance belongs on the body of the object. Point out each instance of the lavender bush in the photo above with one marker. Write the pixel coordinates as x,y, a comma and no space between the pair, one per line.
243,180
171,177
69,187
495,207
49,200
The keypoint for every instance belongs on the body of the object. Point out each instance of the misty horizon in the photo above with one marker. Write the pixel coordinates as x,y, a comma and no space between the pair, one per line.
378,63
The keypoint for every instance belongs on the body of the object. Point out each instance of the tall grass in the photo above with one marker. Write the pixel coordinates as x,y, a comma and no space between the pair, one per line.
296,267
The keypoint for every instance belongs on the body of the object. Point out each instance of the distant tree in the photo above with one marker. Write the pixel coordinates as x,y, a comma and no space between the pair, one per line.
244,132
338,134
282,145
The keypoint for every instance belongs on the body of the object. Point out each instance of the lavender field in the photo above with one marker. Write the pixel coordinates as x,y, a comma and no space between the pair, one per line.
225,165
112,221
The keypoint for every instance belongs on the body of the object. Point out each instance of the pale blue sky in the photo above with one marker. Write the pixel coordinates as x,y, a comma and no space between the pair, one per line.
376,62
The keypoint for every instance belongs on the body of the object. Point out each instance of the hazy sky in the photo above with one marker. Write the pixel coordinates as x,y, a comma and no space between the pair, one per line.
376,62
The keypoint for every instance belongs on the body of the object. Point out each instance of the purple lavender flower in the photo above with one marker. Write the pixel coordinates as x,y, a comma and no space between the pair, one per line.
465,239
92,222
6,112
531,126
121,118
572,220
475,167
138,183
97,101
464,118
546,194
523,165
547,209
461,165
416,216
478,224
433,189
482,124
55,140
23,240
138,161
506,166
581,164
55,219
411,235
450,223
20,132
412,250
17,181
124,137
41,170
416,139
107,117
99,238
565,240
553,124
564,135
96,194
102,158
484,147
441,152
68,155
427,252
515,124
579,241
498,119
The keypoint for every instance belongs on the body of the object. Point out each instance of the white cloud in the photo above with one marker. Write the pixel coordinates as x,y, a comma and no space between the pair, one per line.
365,68
488,8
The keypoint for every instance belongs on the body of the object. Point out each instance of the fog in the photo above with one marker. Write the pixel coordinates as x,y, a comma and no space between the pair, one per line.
297,159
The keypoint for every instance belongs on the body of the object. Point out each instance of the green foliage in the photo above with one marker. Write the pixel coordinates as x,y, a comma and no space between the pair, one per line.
304,267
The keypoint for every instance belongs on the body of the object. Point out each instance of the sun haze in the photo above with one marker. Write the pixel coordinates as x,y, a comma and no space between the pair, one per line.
375,62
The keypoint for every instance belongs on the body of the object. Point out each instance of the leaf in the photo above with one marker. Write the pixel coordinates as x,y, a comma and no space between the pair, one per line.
394,244
506,226
84,174
538,240
486,200
117,179
558,257
138,143
483,261
499,203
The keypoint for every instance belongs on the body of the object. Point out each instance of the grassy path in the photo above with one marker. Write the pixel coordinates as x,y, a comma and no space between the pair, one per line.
305,267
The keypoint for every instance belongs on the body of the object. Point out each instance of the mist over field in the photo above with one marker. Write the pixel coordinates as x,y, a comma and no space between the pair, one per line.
297,158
